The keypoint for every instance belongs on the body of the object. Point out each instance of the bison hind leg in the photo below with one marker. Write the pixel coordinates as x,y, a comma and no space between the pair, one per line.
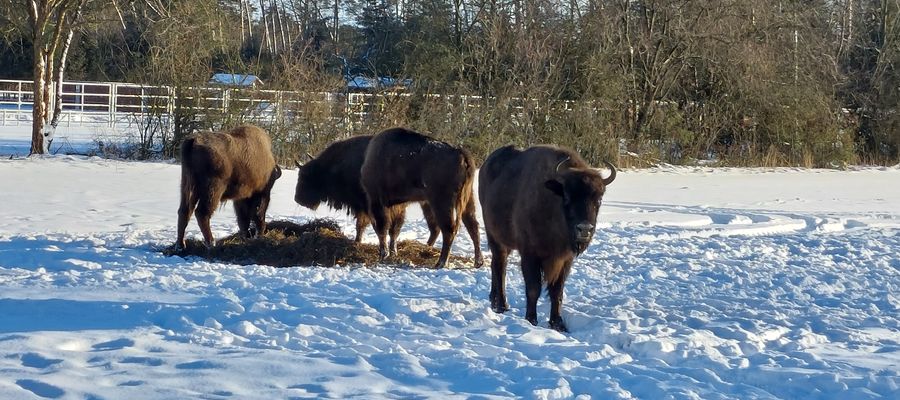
208,201
470,220
185,210
559,325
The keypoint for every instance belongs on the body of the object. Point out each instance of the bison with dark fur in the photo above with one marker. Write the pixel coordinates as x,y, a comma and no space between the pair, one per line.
235,165
542,202
333,178
403,166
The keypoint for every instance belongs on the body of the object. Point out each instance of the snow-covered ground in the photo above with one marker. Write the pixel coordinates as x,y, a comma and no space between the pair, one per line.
700,284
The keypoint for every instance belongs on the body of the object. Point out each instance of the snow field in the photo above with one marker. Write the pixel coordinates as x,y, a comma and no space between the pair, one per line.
700,283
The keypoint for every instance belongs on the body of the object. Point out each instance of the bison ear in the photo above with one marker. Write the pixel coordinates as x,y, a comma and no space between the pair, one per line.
555,186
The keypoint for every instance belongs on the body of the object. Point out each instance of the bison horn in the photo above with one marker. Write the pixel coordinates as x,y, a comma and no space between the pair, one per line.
297,163
612,173
561,163
310,156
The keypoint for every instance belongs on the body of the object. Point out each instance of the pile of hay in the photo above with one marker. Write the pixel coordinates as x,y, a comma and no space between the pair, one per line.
317,242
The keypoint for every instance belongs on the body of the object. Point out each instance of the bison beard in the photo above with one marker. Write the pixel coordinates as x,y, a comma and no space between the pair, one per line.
403,166
542,202
235,165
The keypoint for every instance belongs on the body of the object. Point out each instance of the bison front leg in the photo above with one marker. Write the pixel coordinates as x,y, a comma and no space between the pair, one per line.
499,255
555,292
432,223
531,271
397,217
362,220
449,224
258,210
380,223
470,220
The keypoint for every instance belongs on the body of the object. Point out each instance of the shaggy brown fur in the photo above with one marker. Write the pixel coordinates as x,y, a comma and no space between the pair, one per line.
402,166
543,202
333,178
235,165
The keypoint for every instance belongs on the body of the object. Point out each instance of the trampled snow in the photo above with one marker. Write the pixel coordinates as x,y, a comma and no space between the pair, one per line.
700,284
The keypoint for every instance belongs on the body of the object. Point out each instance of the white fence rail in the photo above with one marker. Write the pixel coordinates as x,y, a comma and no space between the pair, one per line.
114,111
114,104
121,105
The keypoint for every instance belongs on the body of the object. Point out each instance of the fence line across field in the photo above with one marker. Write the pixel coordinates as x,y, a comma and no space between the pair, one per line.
117,105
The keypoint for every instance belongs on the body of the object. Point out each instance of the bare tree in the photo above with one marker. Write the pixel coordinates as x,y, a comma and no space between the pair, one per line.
50,25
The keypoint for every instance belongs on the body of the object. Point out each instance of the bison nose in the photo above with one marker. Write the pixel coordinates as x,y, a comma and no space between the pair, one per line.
584,230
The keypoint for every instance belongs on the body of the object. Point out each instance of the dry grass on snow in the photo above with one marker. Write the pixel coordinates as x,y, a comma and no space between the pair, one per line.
317,242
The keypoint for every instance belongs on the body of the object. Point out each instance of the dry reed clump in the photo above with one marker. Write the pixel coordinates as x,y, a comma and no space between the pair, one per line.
318,242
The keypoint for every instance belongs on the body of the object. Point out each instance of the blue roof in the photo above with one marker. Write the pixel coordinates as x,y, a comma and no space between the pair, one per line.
235,79
362,82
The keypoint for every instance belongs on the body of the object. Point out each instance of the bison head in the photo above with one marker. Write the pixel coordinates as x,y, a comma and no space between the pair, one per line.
309,192
581,190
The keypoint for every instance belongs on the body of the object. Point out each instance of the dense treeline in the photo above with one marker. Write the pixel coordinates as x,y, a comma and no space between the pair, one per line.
766,82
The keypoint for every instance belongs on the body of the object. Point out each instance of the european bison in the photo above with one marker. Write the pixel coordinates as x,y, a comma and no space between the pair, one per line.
235,165
543,202
403,166
333,178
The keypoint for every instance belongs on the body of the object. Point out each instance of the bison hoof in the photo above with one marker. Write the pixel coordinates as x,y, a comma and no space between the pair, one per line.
479,262
559,325
500,309
532,320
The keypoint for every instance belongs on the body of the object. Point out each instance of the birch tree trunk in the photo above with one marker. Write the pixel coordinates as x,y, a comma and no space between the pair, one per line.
52,27
38,114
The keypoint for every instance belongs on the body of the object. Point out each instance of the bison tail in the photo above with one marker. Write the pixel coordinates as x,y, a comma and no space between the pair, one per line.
187,183
466,195
186,146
